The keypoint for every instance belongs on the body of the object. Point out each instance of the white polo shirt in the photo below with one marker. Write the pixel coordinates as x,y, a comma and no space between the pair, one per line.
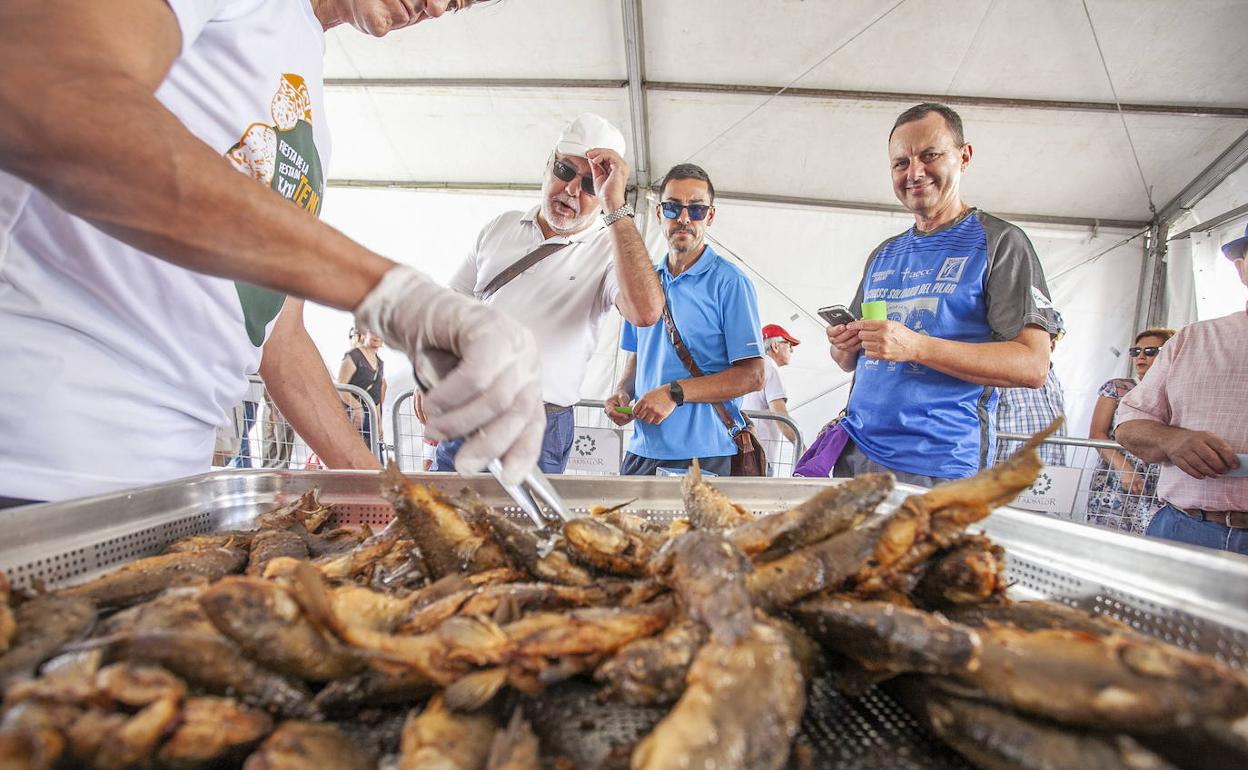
760,401
562,299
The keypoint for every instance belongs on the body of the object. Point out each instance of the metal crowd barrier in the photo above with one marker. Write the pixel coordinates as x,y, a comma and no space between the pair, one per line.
1090,481
597,449
262,438
1078,482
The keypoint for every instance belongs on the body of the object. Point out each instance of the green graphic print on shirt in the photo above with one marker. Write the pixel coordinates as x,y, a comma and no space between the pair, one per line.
282,155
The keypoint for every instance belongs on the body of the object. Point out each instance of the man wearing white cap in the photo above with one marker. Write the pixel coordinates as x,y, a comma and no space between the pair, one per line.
1190,413
560,267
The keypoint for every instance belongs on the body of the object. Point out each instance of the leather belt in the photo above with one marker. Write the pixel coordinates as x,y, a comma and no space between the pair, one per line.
556,409
1231,519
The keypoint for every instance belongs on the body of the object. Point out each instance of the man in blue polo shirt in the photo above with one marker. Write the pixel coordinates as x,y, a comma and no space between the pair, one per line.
715,310
968,311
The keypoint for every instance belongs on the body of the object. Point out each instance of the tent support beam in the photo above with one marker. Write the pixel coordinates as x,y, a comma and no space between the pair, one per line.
635,62
1151,309
783,200
1184,110
534,83
1039,219
955,99
1214,174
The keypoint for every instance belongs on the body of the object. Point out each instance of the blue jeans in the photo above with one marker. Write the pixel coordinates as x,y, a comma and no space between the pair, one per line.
556,446
636,465
1170,523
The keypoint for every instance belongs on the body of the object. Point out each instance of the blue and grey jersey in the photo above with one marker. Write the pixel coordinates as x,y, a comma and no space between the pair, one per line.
977,279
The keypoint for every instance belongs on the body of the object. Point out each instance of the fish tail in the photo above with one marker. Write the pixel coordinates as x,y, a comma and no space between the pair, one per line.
473,691
472,639
309,591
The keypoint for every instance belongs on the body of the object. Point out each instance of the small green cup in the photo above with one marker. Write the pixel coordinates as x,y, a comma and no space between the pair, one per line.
875,311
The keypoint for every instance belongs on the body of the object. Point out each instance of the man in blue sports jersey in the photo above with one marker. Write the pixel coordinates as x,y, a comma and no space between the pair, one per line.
968,311
715,311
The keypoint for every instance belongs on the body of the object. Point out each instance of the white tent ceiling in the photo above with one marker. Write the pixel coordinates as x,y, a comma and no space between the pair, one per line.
476,97
473,102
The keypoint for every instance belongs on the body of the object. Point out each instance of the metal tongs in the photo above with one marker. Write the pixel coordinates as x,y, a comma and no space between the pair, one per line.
429,367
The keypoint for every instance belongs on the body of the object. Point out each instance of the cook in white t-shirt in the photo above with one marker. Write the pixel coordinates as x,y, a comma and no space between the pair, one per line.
140,275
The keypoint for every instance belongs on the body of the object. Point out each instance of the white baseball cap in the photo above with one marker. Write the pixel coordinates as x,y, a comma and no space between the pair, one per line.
588,132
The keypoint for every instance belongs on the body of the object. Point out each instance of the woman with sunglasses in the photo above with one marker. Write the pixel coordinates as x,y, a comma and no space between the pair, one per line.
1123,492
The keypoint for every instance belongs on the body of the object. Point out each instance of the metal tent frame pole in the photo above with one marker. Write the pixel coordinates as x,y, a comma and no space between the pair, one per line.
1151,306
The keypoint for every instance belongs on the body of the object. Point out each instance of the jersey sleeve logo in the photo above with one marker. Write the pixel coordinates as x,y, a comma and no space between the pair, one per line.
952,269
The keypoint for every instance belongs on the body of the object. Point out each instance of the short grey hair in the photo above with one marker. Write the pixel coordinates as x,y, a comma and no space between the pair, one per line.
767,343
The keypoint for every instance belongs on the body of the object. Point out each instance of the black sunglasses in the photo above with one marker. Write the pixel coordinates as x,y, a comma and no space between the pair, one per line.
565,172
697,211
1149,351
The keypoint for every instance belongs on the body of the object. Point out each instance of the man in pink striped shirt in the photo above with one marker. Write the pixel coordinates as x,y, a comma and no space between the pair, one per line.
1190,413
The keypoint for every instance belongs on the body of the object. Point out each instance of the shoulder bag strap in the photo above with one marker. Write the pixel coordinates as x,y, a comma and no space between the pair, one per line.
518,267
686,358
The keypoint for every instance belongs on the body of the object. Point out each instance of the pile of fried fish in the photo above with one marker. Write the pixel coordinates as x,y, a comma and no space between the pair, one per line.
429,643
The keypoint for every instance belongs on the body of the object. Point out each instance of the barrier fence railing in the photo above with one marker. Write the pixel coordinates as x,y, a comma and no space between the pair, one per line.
261,437
1083,480
598,446
1089,480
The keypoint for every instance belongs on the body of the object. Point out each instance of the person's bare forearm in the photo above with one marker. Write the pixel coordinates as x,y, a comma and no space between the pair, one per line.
1115,459
847,360
778,406
641,298
96,141
1009,364
735,381
1147,439
628,379
300,387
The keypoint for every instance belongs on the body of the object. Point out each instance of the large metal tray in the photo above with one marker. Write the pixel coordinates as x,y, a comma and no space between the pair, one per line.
1192,597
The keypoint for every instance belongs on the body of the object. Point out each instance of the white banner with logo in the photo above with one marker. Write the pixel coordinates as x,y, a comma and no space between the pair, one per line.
595,450
1053,491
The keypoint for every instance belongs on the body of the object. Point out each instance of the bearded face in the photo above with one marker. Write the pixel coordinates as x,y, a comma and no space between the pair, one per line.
566,206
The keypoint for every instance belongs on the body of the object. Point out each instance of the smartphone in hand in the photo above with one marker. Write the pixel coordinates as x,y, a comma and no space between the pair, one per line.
836,315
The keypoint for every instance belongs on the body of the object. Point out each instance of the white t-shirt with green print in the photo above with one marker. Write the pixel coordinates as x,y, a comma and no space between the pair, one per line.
116,366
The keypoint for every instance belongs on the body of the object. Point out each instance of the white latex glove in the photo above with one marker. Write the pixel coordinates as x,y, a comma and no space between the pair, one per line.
493,398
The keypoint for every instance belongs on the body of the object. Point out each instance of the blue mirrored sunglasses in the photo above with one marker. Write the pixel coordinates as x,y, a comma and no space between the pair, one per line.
697,211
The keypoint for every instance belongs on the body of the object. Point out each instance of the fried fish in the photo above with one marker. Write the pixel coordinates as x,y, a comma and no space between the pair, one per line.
44,625
440,738
829,512
740,710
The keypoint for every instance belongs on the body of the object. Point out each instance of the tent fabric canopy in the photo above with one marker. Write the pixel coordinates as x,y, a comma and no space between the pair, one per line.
1073,161
473,102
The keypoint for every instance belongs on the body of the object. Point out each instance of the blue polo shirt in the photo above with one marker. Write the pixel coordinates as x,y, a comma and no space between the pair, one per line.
716,310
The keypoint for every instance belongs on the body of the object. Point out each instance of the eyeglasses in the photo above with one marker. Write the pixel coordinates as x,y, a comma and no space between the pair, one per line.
697,211
565,172
1149,351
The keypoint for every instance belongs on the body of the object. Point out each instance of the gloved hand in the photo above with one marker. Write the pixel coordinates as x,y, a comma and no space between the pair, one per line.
493,398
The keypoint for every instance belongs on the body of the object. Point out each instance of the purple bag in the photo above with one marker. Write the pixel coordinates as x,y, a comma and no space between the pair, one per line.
820,457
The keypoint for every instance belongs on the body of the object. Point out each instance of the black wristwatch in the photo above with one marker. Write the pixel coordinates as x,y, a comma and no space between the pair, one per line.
676,392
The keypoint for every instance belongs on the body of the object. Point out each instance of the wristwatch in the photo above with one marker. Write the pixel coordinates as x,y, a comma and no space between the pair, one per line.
676,392
623,211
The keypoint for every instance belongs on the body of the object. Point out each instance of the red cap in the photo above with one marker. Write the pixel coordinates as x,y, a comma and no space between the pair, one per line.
776,330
